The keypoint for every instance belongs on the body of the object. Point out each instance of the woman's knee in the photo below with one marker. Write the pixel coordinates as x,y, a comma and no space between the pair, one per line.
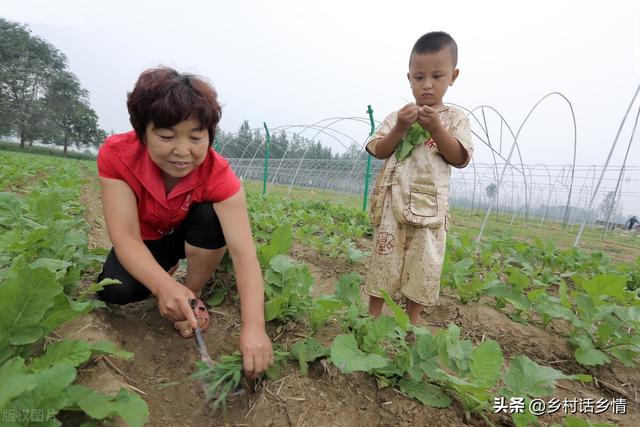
203,229
127,291
123,293
201,213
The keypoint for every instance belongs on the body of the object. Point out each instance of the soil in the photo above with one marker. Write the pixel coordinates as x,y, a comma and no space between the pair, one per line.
325,397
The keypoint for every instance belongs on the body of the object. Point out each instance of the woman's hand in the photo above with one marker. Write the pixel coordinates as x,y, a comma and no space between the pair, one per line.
257,352
173,302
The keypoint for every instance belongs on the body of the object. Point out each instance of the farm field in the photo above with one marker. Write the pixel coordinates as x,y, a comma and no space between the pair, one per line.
522,314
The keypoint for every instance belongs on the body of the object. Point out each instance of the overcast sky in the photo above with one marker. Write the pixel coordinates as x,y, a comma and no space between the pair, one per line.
296,62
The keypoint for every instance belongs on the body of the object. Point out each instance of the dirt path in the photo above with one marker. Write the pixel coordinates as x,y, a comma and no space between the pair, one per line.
325,397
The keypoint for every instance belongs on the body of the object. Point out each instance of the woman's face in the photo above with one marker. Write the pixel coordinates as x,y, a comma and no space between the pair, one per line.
177,150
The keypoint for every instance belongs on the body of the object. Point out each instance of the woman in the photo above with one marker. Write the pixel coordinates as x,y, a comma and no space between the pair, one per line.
167,195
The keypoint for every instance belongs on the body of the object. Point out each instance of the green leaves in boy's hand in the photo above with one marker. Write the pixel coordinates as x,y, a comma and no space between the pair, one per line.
415,135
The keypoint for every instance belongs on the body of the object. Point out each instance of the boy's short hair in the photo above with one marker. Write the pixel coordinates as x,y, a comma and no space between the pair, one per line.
434,42
165,97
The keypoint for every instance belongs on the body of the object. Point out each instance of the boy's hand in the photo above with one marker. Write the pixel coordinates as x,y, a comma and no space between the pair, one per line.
429,119
406,117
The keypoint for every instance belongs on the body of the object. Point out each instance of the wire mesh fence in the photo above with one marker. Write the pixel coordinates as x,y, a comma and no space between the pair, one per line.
341,175
509,186
329,154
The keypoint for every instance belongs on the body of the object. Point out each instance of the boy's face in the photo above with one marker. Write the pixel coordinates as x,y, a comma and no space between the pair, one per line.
430,75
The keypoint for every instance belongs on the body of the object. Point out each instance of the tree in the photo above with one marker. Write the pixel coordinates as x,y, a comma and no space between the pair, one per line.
5,114
87,131
39,98
70,118
279,145
491,190
244,133
315,150
250,144
606,203
354,152
27,66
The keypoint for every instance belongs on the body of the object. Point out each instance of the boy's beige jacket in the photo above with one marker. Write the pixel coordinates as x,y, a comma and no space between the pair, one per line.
420,183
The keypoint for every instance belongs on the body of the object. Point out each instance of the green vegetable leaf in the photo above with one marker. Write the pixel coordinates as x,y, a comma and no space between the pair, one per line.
426,393
64,310
217,297
603,287
281,264
573,421
414,136
347,357
377,331
563,292
517,279
73,352
109,348
591,356
49,391
401,317
426,346
486,363
308,350
354,253
471,291
348,288
525,419
626,356
526,378
130,407
281,241
96,287
554,310
273,307
14,380
26,297
322,309
452,351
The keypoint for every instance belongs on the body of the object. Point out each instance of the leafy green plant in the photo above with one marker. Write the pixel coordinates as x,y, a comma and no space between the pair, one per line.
43,256
605,314
306,351
331,230
415,135
347,293
573,421
540,283
436,367
287,290
347,357
224,377
45,382
279,244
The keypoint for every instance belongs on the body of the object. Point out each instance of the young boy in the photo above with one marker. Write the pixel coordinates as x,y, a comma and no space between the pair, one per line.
409,206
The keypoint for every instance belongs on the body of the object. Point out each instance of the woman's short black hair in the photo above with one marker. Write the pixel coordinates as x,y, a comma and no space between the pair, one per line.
165,97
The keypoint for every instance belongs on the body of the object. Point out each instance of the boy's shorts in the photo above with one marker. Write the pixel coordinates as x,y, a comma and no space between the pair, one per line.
406,259
201,228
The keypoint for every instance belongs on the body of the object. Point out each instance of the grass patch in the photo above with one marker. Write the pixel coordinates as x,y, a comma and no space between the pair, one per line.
46,151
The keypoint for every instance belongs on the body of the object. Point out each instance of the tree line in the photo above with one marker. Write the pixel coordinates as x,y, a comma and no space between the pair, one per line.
248,143
40,98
